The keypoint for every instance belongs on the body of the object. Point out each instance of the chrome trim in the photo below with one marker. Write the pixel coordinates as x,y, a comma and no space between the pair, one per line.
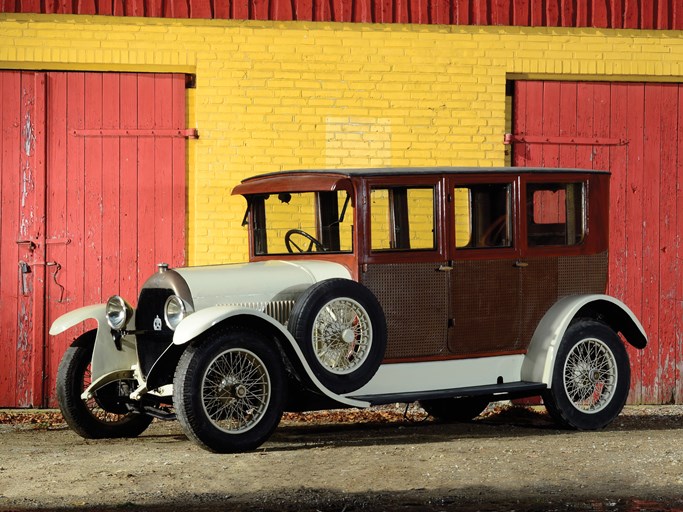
277,309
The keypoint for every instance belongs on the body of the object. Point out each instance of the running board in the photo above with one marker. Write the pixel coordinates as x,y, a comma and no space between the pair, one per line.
502,391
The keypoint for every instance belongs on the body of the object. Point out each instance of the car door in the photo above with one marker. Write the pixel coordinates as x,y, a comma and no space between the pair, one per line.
485,283
405,264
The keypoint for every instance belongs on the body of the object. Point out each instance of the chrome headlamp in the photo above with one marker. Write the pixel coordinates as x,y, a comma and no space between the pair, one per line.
175,310
119,312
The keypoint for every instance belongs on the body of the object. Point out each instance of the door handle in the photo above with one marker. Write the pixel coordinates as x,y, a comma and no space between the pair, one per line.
521,264
447,267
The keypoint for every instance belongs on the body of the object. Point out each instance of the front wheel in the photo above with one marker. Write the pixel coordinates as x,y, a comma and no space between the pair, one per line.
105,415
229,390
591,377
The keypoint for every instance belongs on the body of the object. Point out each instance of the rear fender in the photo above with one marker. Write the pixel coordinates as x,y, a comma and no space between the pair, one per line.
196,324
540,358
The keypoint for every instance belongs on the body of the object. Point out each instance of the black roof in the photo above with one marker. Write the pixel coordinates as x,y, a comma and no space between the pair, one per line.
387,171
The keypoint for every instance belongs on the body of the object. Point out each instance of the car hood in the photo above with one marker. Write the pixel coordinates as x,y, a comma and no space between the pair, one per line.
256,283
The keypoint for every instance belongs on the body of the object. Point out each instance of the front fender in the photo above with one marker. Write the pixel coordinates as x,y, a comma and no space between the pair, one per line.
108,363
199,322
540,358
75,317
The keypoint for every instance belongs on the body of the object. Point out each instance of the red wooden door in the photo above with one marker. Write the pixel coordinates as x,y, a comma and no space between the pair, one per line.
106,201
632,129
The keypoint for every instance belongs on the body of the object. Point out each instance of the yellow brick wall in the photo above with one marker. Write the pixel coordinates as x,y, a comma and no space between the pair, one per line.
273,96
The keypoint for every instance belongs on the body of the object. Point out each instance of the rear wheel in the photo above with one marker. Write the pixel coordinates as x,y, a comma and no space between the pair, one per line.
229,390
591,377
456,409
105,415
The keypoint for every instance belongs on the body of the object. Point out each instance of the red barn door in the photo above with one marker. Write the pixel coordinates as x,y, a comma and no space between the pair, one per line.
93,193
634,130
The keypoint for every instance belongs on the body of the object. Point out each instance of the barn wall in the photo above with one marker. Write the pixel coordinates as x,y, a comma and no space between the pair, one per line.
632,14
273,96
283,95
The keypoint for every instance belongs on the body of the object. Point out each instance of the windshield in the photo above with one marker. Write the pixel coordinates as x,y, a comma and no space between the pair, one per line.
302,222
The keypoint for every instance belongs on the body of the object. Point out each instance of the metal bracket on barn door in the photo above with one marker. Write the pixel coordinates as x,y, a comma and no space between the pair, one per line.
511,138
190,133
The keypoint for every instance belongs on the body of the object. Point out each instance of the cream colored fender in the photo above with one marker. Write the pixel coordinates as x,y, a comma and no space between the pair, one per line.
108,363
540,358
199,322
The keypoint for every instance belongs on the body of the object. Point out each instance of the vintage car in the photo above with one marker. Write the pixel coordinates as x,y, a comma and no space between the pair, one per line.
453,287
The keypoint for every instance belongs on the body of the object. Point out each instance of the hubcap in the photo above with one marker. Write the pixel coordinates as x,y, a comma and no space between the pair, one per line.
342,335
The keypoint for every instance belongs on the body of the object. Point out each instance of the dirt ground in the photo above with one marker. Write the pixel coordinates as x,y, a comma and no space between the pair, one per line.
512,458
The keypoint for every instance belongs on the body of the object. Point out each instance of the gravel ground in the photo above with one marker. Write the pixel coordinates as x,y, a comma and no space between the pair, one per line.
512,458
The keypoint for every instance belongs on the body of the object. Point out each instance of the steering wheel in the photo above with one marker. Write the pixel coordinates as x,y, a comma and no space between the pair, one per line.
312,242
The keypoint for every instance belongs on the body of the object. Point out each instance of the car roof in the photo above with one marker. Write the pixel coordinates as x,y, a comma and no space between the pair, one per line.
332,179
388,171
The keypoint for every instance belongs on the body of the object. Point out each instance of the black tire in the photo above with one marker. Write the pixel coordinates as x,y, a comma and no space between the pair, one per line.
459,409
103,416
342,332
591,377
229,390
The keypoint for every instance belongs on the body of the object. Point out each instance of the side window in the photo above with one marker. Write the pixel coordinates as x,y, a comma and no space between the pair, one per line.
402,218
555,214
483,216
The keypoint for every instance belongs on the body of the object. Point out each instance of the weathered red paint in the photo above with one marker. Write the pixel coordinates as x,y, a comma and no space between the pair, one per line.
646,197
629,14
98,211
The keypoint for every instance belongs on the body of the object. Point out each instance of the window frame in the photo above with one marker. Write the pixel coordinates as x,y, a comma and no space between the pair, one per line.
435,182
555,250
480,253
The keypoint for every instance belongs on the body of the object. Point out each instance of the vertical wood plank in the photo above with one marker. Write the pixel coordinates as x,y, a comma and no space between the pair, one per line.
650,234
534,122
568,120
145,172
281,11
362,11
439,12
27,231
260,9
93,201
520,13
303,10
634,233
201,9
668,272
678,311
128,112
10,192
631,14
58,303
567,13
179,205
519,110
112,229
162,172
584,123
537,13
551,123
553,13
599,13
618,248
463,14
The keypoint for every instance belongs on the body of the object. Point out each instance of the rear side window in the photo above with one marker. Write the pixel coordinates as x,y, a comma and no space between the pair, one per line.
402,218
483,216
556,214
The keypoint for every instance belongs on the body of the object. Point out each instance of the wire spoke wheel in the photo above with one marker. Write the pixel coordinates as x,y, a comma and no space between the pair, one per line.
104,414
590,375
229,389
236,390
342,335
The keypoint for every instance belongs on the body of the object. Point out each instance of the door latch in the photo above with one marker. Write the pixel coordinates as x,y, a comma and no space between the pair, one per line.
24,269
